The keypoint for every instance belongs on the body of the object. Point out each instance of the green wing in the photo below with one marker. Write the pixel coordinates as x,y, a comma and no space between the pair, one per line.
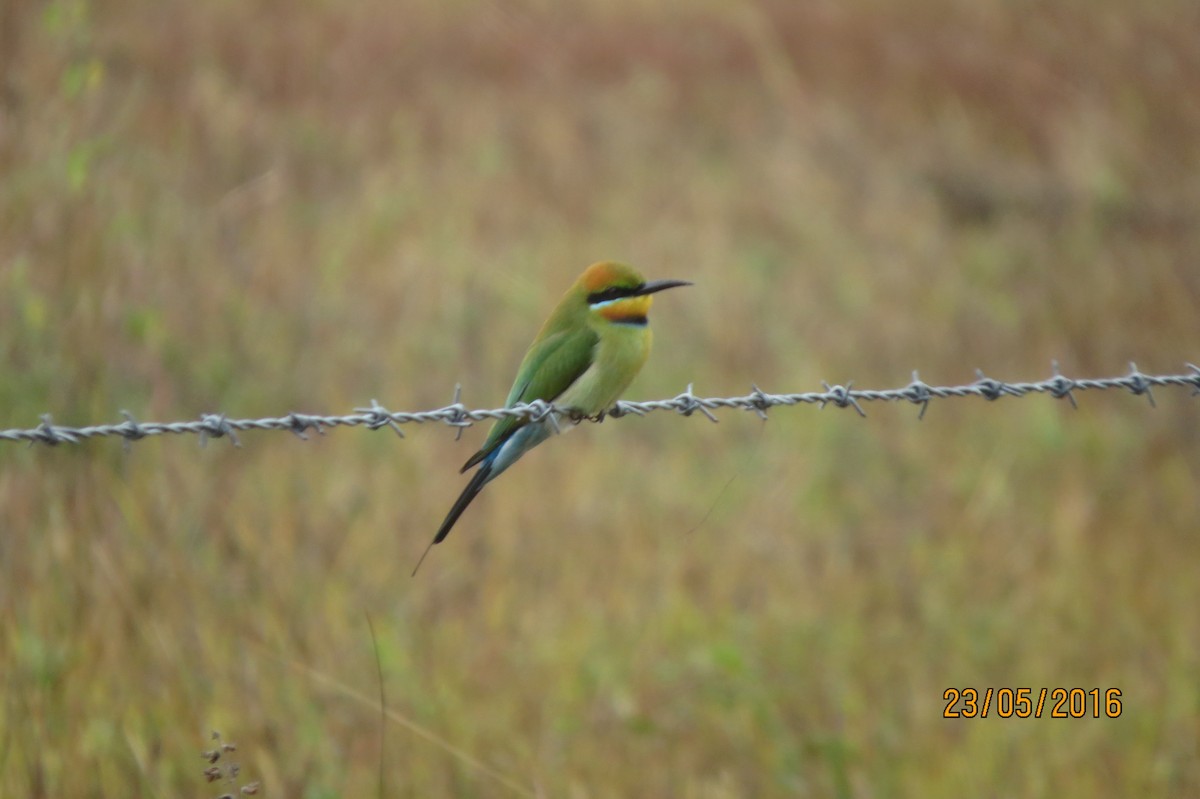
549,368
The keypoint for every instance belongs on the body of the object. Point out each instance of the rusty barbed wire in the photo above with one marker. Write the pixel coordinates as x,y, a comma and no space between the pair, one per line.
375,417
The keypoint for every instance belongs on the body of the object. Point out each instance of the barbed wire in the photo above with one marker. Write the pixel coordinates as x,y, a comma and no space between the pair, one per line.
218,425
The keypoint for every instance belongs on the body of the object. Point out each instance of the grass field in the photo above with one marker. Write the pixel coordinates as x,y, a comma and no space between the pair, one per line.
260,208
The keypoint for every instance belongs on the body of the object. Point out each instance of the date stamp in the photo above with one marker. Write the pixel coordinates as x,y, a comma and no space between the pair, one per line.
1024,703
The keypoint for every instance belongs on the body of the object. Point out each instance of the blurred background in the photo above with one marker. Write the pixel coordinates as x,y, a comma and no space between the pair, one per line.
255,208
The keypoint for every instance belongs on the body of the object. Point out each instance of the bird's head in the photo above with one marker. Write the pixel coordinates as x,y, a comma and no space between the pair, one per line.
616,293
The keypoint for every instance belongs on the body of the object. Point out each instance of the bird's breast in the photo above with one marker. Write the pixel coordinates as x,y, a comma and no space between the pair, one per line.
619,355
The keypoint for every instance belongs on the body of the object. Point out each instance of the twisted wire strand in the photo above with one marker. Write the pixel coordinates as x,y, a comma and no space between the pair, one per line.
375,417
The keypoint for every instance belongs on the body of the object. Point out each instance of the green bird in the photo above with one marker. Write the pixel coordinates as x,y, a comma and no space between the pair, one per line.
585,355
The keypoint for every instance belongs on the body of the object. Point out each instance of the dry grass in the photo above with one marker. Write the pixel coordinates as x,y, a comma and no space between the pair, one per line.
256,208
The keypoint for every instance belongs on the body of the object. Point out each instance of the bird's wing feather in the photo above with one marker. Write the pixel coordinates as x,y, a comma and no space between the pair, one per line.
549,369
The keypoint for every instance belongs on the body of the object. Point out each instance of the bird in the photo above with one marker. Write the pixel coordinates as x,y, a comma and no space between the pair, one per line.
585,355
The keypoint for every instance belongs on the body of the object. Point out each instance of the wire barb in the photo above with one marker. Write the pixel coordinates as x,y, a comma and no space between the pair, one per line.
544,411
991,389
1139,385
216,425
458,413
48,435
131,430
759,402
1061,386
687,403
918,392
299,424
842,397
379,416
458,416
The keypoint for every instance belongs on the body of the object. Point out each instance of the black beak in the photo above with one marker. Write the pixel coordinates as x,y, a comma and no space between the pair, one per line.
657,285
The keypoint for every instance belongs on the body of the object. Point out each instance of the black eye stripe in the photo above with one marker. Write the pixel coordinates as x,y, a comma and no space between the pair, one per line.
614,293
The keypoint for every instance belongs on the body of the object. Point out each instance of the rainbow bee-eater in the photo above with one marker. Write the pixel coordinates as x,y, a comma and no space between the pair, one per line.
583,358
